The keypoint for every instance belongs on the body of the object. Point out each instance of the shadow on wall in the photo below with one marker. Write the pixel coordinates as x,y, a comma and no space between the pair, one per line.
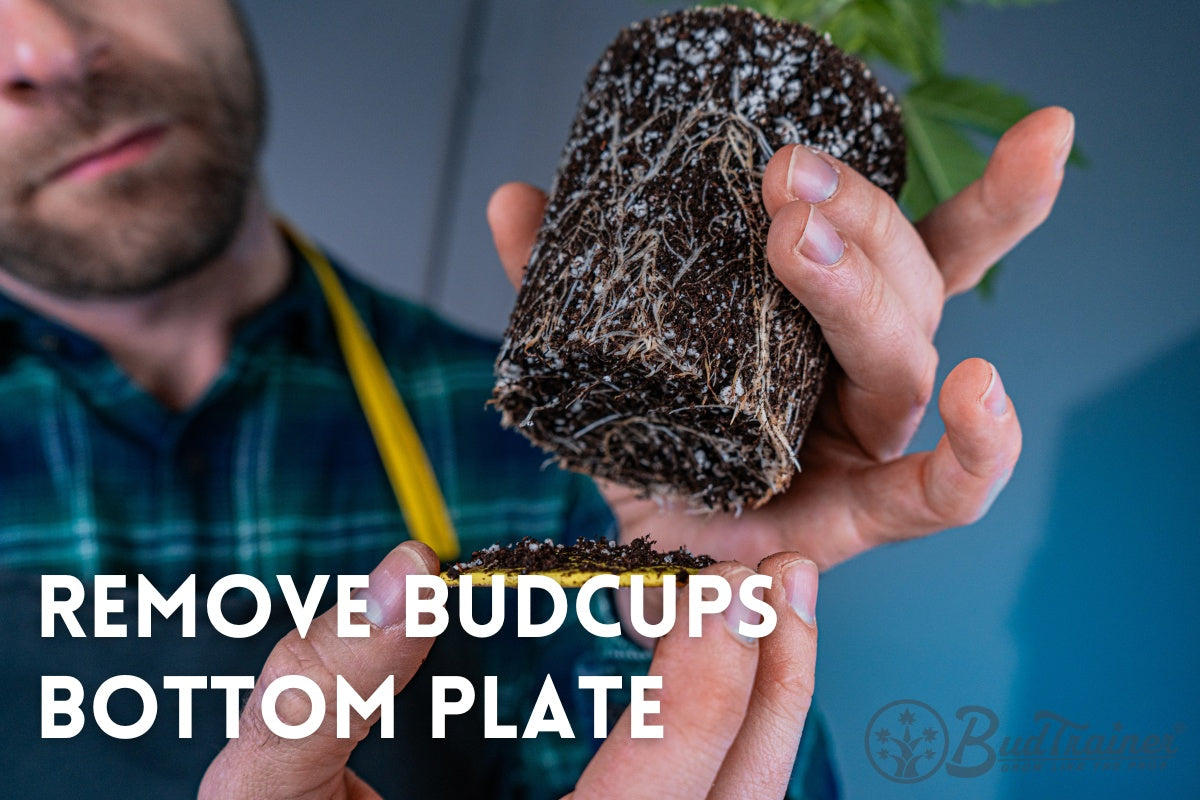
1108,620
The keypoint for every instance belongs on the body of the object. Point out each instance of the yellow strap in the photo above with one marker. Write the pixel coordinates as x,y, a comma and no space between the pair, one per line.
399,445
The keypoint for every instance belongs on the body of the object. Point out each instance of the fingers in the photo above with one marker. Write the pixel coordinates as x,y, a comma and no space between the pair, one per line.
759,764
955,483
732,708
864,214
976,227
514,214
259,763
888,360
706,683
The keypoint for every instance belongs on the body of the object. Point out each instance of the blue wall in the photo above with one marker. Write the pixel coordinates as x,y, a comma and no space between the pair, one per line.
1077,594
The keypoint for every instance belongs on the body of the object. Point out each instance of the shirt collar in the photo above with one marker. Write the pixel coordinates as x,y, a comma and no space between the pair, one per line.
298,317
295,323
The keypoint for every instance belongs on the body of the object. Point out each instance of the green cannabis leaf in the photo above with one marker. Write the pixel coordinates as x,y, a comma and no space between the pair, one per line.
937,114
904,33
943,115
941,159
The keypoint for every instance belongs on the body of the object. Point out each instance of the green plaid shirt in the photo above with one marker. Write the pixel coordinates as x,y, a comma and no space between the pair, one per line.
274,471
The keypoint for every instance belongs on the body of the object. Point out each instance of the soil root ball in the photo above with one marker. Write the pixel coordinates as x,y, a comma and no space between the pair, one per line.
651,344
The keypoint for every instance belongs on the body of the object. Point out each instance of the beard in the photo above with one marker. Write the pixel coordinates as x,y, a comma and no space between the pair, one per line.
136,229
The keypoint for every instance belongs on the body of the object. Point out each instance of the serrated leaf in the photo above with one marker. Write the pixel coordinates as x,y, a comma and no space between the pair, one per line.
986,107
941,160
904,33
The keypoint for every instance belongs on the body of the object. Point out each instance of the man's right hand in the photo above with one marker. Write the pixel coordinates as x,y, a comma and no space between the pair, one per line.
732,709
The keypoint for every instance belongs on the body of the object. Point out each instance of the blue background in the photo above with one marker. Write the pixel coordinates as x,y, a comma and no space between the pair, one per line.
1077,594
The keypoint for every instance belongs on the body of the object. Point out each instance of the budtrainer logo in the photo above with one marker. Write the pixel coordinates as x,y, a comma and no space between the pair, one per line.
907,741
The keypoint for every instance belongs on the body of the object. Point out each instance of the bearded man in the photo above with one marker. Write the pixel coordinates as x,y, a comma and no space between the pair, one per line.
176,404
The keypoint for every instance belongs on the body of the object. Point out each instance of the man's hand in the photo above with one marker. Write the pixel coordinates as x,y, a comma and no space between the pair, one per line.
732,709
876,285
260,765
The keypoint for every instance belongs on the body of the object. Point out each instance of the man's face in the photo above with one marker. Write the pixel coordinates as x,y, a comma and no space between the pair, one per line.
129,131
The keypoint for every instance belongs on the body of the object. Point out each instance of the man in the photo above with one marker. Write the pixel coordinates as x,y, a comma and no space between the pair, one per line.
175,404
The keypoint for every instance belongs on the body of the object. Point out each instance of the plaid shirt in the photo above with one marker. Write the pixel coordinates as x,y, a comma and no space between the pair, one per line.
274,471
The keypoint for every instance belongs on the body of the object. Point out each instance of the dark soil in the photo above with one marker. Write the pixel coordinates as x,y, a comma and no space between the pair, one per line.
651,344
530,556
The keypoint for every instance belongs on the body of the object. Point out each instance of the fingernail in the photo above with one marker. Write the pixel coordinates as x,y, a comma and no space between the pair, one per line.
1064,146
800,582
385,589
810,178
820,242
737,613
994,399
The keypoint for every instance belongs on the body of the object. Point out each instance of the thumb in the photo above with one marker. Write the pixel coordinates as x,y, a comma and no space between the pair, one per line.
262,764
514,213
